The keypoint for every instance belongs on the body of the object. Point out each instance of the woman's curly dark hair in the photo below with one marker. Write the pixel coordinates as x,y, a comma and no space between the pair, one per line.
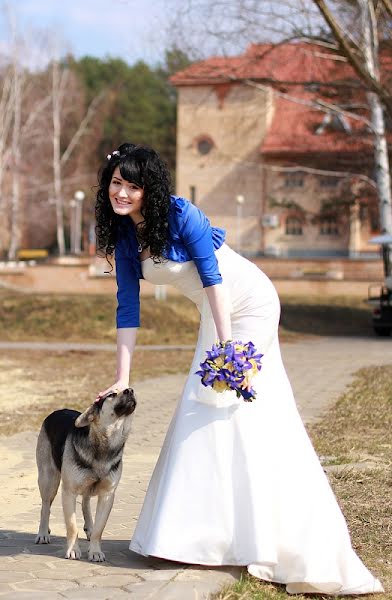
143,166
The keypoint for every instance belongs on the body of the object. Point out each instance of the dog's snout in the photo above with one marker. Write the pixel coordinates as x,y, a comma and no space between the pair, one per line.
126,403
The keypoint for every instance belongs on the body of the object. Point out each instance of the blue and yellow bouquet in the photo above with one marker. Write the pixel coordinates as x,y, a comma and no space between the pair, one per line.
231,366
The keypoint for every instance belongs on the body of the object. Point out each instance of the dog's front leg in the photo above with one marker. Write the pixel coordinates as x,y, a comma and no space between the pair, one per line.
104,506
69,508
88,519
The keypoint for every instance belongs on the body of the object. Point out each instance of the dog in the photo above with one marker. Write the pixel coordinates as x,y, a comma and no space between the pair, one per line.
84,451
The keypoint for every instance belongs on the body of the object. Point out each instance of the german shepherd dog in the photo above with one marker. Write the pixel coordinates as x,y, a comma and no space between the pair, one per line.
84,451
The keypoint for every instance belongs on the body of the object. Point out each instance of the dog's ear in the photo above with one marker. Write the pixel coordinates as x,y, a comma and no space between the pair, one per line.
88,416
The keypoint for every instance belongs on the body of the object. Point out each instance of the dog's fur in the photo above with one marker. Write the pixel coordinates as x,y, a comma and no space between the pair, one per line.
84,451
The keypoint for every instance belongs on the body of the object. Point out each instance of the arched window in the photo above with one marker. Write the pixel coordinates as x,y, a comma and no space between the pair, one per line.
204,144
329,226
293,226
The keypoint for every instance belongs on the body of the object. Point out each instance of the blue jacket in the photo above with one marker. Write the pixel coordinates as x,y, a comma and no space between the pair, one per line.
190,237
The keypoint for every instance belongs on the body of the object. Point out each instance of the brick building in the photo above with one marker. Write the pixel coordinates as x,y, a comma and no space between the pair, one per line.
262,165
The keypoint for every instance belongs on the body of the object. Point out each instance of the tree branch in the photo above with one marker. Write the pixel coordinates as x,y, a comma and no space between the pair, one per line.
320,105
355,61
82,128
388,6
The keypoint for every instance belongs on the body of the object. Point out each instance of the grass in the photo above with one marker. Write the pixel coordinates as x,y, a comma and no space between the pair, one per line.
335,315
359,425
78,318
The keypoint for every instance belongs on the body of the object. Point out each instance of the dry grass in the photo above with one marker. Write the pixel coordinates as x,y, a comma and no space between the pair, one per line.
78,318
358,427
32,384
335,315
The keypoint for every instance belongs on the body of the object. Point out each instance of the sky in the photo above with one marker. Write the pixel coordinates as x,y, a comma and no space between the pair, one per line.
131,29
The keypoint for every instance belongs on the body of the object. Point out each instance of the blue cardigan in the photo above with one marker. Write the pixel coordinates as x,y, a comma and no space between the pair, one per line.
190,237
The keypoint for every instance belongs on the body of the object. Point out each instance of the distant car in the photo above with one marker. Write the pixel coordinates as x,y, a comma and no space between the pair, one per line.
380,297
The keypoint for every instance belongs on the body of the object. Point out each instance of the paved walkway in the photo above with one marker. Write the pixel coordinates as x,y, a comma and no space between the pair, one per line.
319,371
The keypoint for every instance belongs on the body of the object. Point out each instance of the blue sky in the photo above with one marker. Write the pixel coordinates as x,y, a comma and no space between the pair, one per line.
132,29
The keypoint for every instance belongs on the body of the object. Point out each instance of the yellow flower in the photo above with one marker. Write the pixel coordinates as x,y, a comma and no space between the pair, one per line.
219,386
219,362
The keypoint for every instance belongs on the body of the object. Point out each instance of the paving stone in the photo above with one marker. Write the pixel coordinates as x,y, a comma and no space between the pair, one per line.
108,580
4,588
14,576
145,590
31,595
159,574
45,585
185,590
98,594
221,575
75,570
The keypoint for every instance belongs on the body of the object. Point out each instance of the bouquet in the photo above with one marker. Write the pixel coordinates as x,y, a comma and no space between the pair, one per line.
231,366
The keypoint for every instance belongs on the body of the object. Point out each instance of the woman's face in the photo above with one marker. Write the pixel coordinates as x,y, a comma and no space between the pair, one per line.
125,197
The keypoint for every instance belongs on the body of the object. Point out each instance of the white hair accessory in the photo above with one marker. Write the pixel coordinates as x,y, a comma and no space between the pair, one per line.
114,153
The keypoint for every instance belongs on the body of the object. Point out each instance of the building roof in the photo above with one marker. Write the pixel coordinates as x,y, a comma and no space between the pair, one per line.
305,71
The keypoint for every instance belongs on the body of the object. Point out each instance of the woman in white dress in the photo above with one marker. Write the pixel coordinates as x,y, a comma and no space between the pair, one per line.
236,483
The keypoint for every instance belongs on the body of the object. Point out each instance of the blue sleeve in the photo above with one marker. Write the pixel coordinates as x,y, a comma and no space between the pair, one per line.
128,291
196,234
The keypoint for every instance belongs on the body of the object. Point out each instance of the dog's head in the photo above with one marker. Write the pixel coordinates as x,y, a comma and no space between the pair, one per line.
114,410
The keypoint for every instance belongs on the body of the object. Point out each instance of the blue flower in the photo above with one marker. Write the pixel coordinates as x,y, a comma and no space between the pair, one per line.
231,366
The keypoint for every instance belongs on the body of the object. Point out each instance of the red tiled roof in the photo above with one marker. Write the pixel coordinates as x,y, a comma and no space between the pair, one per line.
286,62
293,128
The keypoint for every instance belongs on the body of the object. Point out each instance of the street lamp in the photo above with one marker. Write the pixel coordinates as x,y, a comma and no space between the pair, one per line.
77,202
240,202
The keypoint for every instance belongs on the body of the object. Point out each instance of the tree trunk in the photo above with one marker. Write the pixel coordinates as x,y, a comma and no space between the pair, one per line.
57,187
15,229
381,157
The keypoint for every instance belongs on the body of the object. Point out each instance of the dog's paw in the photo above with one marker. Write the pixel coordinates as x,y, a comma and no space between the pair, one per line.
96,556
87,531
73,553
42,538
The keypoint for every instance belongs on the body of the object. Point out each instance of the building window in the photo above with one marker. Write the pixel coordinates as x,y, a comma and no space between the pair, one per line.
204,144
294,180
293,226
328,226
328,182
333,122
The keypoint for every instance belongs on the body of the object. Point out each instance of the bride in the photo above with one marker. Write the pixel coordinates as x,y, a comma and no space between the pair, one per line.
236,483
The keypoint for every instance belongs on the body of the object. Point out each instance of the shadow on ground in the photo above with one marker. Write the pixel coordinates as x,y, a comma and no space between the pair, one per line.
327,320
22,545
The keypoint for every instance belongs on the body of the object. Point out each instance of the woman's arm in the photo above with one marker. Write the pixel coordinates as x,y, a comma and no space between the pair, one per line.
126,340
220,308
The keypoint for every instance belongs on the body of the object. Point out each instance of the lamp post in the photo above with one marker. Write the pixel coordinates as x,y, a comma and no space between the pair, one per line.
240,202
79,196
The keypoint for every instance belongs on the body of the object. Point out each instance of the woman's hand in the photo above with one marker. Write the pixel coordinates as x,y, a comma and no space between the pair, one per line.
119,386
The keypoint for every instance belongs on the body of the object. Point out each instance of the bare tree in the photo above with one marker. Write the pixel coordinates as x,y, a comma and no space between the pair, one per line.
363,55
60,80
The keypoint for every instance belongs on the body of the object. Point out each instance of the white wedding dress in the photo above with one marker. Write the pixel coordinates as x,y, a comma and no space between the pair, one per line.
238,483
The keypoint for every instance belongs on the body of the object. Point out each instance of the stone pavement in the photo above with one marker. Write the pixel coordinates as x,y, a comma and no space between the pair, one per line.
319,371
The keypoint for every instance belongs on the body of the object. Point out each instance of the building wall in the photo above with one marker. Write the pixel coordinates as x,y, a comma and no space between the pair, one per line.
235,118
282,197
302,196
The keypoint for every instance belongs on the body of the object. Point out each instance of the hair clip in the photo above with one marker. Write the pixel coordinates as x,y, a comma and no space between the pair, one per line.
114,153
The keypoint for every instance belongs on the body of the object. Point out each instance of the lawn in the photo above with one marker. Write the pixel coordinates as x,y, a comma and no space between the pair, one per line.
78,318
